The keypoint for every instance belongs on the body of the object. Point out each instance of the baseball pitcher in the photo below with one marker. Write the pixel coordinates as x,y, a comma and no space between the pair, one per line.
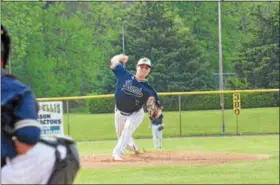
131,93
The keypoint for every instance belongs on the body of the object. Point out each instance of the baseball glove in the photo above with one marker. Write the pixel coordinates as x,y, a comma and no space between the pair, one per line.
152,107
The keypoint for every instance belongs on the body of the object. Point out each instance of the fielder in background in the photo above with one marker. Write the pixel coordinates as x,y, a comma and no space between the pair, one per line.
25,157
132,92
157,129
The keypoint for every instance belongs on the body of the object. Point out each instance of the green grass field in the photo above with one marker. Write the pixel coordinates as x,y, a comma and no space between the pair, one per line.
101,126
253,172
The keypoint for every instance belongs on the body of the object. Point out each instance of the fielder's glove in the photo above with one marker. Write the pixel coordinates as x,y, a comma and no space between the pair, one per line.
158,121
161,127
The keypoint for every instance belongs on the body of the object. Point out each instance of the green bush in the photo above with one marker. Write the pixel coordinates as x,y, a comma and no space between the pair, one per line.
102,105
195,102
259,100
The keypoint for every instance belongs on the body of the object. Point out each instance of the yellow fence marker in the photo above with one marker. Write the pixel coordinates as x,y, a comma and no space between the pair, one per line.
236,102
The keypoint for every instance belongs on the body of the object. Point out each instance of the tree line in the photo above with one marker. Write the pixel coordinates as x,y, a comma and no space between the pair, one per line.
64,48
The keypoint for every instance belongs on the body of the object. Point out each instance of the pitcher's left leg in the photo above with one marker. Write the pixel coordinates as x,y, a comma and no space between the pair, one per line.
131,146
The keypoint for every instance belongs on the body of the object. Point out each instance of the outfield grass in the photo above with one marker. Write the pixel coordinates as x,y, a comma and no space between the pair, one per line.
101,126
253,172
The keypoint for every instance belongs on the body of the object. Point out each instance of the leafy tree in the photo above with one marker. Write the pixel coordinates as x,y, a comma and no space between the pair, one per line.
177,63
258,61
64,48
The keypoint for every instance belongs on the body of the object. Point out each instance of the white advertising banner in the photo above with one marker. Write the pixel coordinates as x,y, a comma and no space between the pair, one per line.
51,118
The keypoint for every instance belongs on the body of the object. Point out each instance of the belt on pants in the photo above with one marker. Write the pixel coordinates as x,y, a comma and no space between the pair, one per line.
125,113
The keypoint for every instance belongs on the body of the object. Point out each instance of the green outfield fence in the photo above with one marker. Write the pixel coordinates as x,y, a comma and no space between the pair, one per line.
185,114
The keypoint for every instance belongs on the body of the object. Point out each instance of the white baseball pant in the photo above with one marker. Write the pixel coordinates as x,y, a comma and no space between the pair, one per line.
34,167
157,136
125,127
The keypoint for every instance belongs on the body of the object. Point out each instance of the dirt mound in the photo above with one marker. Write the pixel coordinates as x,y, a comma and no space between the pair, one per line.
167,158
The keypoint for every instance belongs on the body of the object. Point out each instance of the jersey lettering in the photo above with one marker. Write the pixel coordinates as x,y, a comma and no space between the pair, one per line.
131,94
128,88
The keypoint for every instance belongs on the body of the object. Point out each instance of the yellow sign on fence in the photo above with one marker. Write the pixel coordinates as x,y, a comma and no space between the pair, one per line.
236,103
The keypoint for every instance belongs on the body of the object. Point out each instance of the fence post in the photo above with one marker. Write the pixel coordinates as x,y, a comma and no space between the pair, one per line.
68,120
180,119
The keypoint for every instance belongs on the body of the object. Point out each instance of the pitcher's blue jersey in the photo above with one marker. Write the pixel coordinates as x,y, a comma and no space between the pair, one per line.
19,113
131,94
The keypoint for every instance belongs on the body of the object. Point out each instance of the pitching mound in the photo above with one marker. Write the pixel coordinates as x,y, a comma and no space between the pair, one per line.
157,158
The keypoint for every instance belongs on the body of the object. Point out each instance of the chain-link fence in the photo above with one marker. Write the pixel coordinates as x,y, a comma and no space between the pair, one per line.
196,113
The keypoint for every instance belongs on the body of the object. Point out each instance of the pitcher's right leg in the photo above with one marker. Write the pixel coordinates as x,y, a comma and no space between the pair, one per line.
119,123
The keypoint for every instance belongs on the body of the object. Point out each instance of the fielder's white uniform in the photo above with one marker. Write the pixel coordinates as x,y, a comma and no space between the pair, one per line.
157,136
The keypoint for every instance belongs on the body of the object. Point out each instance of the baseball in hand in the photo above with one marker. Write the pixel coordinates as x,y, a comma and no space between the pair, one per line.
123,58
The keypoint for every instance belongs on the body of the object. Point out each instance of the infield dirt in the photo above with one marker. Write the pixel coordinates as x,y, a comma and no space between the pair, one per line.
157,158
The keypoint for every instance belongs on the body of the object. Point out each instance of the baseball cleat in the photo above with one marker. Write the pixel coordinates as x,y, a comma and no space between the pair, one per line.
117,158
133,148
130,147
136,151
